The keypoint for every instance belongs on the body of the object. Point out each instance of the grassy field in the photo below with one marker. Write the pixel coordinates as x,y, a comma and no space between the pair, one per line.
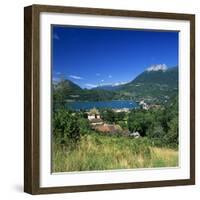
100,152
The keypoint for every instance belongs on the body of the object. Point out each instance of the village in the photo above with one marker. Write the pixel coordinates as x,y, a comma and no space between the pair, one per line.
99,125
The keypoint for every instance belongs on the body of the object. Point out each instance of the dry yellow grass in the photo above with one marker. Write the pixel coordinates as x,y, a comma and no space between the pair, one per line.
95,152
164,156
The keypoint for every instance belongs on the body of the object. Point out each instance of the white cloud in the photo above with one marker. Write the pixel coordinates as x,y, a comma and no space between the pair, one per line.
90,85
113,84
120,83
56,37
162,67
102,80
55,79
75,77
105,84
109,76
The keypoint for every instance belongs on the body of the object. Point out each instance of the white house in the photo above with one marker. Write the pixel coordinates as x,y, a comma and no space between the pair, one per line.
144,105
134,134
94,117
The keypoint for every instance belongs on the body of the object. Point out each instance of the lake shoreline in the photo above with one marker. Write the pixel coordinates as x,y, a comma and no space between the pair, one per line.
113,104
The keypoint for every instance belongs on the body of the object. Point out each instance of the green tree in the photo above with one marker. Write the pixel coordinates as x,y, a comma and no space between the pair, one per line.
84,126
156,133
65,127
140,121
108,115
171,137
120,116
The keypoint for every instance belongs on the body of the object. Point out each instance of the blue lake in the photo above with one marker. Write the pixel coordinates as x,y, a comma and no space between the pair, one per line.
102,104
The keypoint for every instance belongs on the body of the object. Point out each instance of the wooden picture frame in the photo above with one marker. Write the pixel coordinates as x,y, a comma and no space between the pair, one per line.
32,91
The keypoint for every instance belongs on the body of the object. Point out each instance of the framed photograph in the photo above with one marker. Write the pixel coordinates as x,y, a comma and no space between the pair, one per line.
109,99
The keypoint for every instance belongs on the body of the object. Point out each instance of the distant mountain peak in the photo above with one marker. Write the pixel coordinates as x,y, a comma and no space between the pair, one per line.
158,67
66,85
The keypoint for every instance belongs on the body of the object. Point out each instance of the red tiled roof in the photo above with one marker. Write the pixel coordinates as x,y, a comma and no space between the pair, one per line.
108,128
96,120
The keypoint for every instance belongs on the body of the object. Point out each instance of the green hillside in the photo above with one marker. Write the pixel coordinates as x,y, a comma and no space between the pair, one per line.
66,90
168,77
153,86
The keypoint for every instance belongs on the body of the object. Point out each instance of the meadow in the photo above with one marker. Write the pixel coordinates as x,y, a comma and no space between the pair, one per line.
78,145
103,152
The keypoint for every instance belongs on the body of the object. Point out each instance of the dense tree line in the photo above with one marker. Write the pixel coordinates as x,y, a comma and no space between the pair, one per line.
158,125
110,116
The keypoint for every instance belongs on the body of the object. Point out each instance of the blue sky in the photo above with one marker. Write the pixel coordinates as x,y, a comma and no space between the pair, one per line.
94,56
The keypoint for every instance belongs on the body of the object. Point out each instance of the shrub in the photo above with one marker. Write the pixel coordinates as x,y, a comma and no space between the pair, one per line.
156,134
140,121
171,137
65,127
84,126
108,115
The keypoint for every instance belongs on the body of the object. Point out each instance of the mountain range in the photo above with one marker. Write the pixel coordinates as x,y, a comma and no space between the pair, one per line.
154,85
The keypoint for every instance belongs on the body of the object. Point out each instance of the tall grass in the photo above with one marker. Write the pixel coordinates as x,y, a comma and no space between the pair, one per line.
101,152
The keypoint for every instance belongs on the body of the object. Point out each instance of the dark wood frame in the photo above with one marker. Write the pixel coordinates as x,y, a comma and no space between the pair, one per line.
32,105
